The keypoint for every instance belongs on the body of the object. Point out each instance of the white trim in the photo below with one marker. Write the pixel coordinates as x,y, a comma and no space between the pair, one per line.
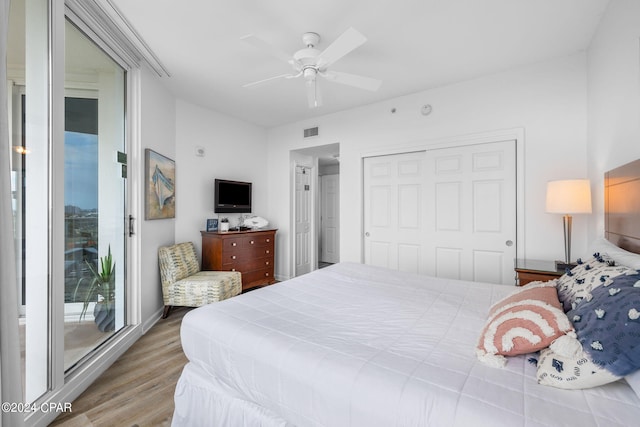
91,25
515,134
135,197
110,25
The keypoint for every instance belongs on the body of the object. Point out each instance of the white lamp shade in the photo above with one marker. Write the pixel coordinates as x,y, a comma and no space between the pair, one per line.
571,196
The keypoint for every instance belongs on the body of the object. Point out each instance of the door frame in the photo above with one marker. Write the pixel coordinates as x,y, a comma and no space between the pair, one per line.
514,134
66,386
308,157
310,164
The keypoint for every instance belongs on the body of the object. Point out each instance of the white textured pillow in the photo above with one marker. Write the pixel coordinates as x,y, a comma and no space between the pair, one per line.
619,255
571,373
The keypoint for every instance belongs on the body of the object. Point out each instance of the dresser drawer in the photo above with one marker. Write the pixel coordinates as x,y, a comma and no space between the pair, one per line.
248,265
245,255
233,257
233,244
258,252
258,277
257,241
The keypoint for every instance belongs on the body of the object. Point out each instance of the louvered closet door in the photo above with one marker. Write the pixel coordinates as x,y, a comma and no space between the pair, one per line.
447,212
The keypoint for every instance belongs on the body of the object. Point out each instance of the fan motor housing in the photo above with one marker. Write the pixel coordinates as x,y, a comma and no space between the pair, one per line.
310,39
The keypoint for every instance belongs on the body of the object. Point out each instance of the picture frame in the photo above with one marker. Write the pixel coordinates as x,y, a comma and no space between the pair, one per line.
212,224
160,184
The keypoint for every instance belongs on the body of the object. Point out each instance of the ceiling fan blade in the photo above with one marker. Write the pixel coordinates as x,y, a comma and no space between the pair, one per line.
261,82
265,46
355,80
314,98
344,44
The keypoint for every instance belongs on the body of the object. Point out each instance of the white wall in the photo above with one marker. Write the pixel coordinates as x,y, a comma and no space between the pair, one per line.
548,100
157,131
614,98
234,150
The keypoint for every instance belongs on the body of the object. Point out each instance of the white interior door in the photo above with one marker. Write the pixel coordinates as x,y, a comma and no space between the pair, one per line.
447,212
394,208
330,218
303,219
473,232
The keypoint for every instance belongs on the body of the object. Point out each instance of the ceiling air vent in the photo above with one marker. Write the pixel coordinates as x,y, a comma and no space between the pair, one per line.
311,132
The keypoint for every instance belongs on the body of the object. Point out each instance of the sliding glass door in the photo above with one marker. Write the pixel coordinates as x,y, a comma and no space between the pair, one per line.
69,193
94,196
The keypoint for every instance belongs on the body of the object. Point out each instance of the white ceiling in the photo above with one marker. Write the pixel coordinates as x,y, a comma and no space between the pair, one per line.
412,45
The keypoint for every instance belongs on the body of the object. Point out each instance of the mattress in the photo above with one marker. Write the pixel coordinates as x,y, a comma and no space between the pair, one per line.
355,345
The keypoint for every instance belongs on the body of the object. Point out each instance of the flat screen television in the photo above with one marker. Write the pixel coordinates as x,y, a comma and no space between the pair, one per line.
232,196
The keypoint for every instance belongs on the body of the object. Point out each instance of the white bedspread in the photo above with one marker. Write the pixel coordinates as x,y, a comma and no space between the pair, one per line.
353,345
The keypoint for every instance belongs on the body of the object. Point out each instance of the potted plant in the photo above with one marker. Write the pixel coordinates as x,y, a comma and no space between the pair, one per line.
102,292
224,224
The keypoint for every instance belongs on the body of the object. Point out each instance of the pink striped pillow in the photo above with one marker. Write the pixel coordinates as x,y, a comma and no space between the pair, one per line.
527,321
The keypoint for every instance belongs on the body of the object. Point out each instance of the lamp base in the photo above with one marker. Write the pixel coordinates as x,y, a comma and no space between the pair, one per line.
562,266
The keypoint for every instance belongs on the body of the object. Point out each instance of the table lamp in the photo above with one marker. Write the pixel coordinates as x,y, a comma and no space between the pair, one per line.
571,196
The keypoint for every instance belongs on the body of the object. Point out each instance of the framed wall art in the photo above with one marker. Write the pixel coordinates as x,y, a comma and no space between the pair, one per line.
160,186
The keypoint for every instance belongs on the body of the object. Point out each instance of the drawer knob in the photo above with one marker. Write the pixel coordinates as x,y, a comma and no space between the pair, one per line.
233,269
266,274
267,251
266,263
268,240
252,242
233,257
234,244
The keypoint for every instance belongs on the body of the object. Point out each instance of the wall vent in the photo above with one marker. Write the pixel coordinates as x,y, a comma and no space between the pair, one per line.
311,132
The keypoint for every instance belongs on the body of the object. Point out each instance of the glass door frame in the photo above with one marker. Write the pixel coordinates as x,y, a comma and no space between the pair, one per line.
65,387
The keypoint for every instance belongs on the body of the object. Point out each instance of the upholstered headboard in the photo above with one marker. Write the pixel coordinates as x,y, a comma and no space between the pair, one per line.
622,206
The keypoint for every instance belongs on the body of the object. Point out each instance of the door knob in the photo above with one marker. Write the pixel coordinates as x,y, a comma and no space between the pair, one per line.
366,234
509,243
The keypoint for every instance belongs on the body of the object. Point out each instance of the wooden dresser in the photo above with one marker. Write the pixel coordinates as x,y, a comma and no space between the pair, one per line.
249,252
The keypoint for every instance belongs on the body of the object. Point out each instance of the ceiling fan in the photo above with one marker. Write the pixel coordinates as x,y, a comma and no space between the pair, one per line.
310,63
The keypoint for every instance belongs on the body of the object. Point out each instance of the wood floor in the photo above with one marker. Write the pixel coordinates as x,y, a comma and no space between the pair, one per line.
137,390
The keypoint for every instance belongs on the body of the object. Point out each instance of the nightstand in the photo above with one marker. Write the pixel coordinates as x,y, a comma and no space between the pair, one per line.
530,270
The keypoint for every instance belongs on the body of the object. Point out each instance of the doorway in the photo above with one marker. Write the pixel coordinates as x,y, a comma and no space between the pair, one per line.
315,213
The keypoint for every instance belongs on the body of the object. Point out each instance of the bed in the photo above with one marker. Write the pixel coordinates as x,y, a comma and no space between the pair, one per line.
355,345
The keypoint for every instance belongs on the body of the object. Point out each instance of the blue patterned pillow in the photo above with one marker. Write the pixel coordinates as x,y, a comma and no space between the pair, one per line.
608,326
577,284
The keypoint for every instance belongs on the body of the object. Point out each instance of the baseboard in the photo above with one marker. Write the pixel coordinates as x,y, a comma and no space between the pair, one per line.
152,320
281,278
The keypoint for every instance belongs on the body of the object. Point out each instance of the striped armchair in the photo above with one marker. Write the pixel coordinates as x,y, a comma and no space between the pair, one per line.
184,284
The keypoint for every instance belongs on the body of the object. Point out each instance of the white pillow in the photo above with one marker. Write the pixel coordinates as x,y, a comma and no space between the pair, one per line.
619,255
571,373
